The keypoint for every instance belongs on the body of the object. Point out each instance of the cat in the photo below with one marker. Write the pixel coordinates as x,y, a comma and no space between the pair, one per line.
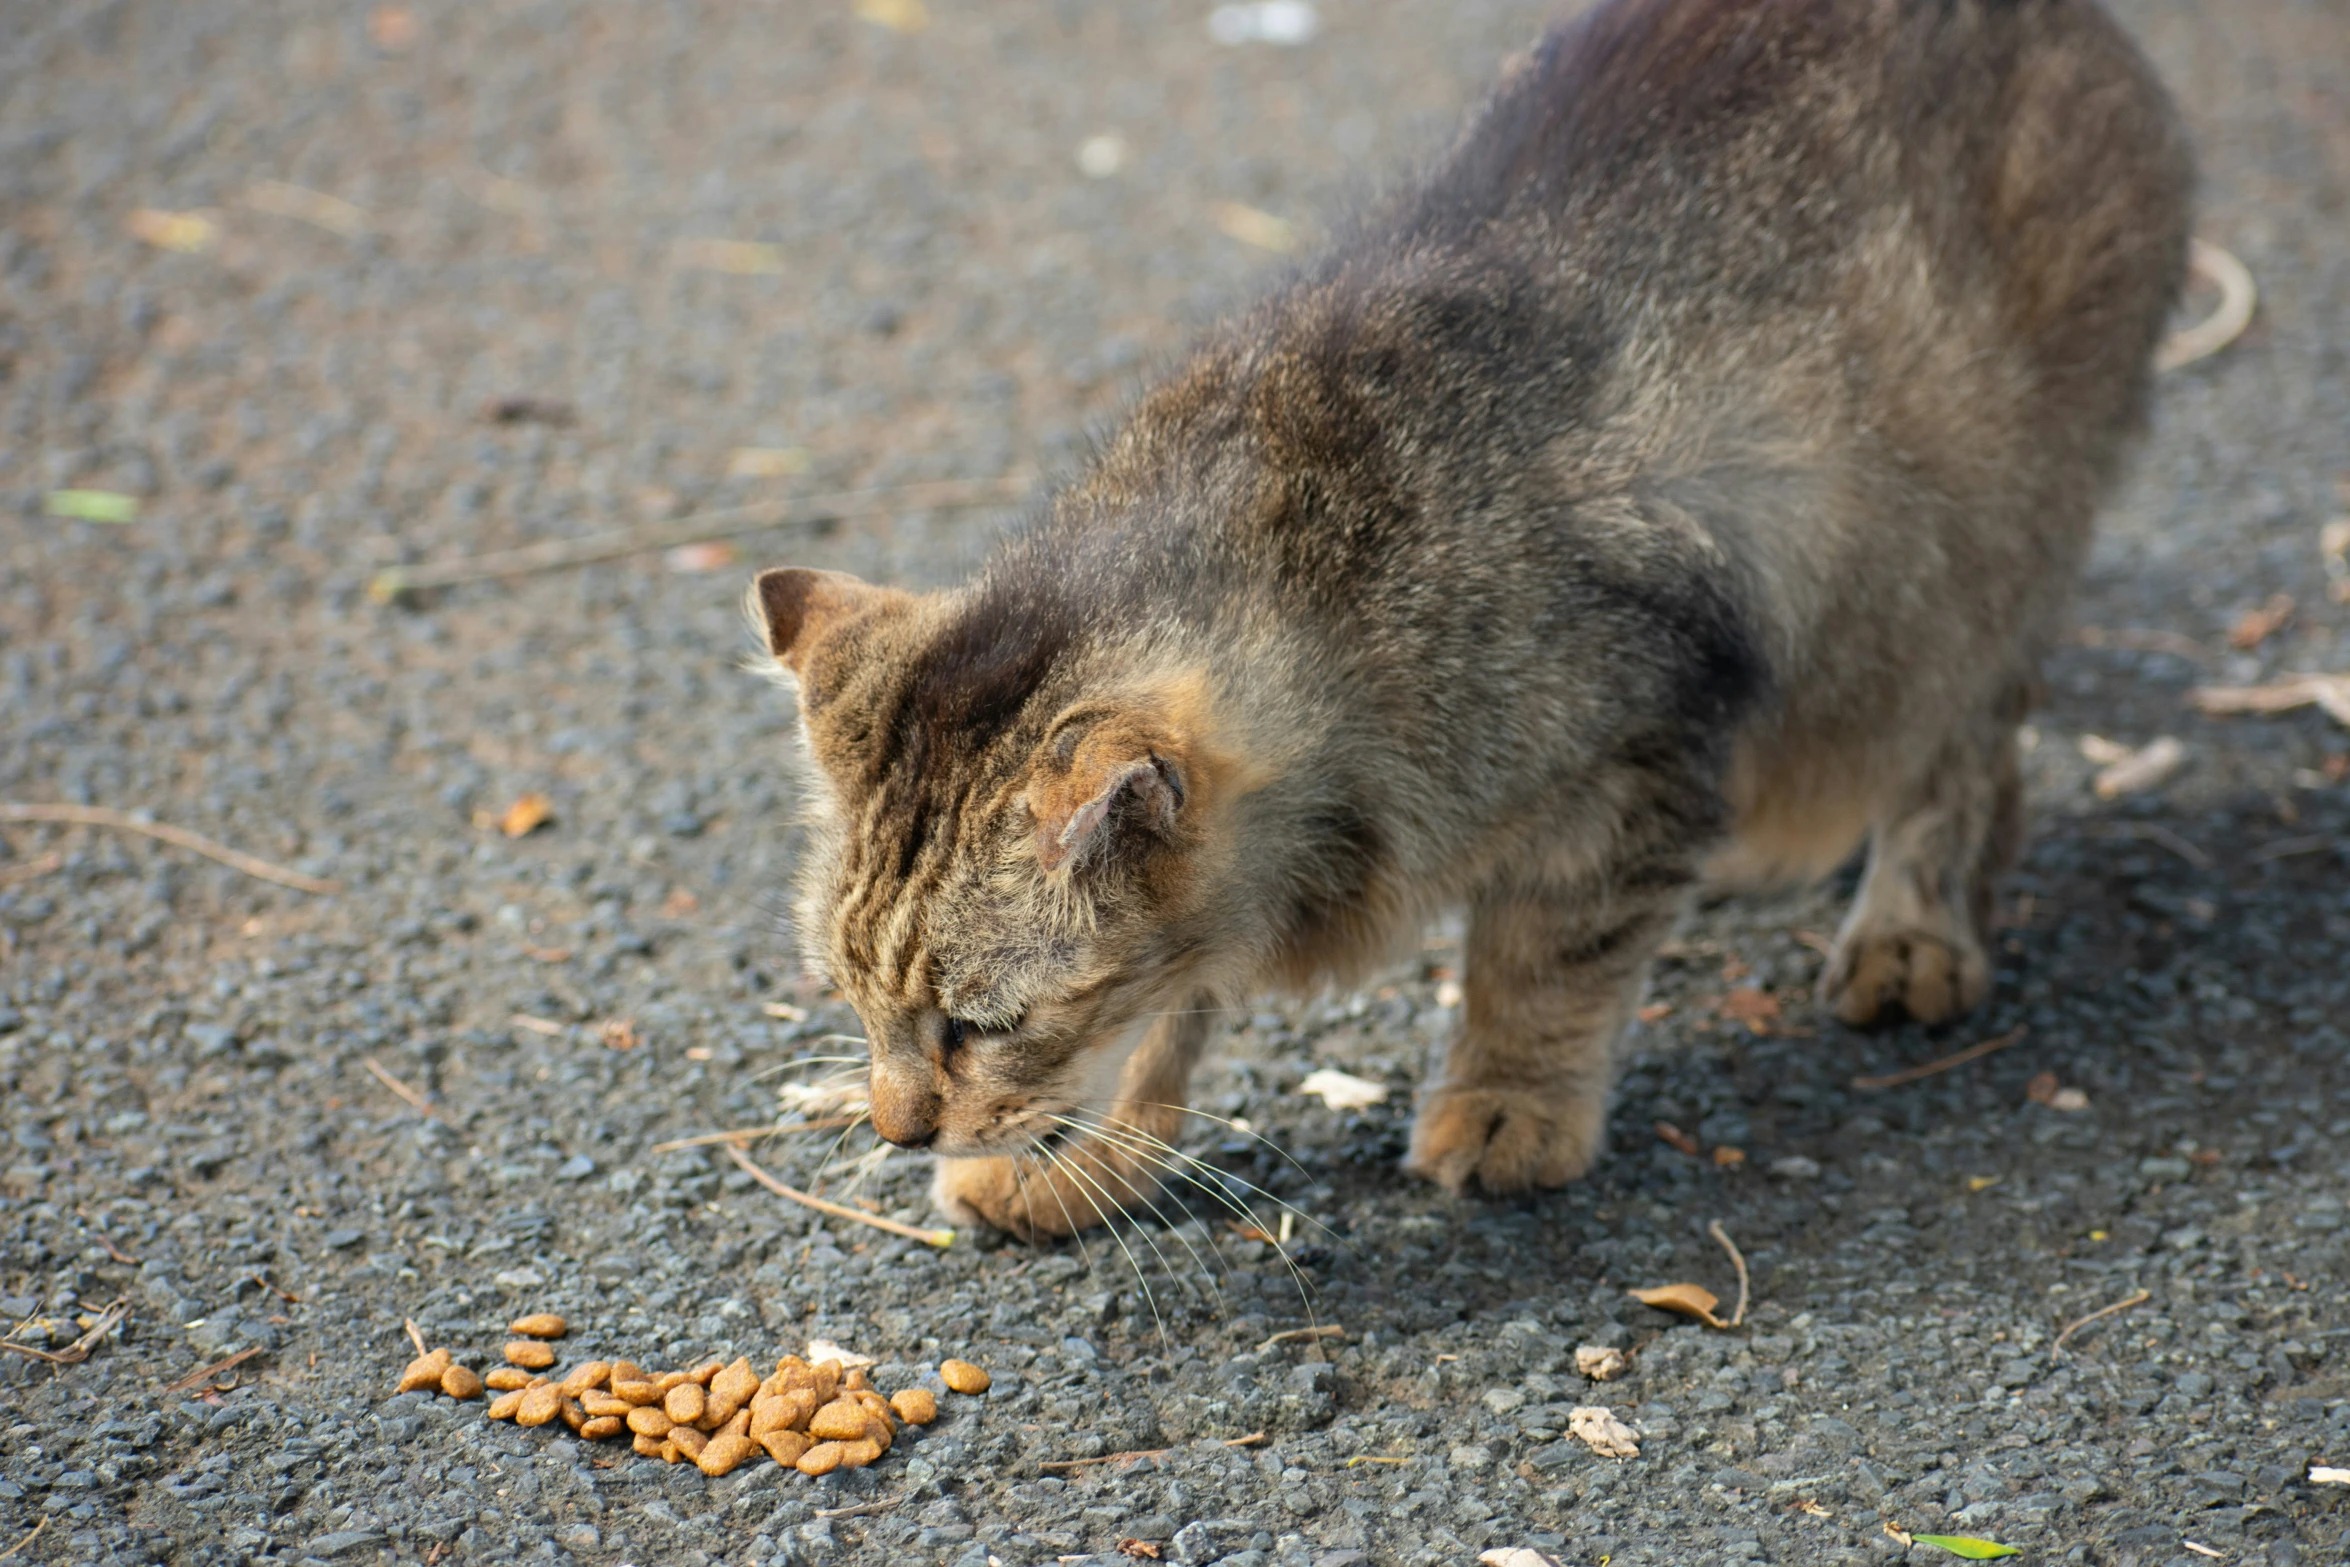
1680,483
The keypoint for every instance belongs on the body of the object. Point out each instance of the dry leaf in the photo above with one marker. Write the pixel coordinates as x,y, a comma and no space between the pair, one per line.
1603,1433
2258,625
1601,1363
1757,1009
692,559
823,1349
185,232
2330,692
526,815
1253,227
1342,1090
899,16
618,1033
1669,1133
1687,1299
2146,768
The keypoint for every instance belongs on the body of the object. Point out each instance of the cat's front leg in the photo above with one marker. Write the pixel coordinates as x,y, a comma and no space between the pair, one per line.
1104,1163
1554,973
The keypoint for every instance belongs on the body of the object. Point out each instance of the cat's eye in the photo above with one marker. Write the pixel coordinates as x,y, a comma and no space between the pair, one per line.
958,1031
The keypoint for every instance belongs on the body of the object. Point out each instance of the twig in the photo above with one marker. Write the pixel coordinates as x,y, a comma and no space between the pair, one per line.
395,582
744,1134
27,1540
2290,848
1373,1458
2238,296
1253,1439
106,1240
2139,639
79,1350
1327,1330
1931,1068
414,1336
2156,833
262,1279
539,1025
122,821
422,1104
207,1373
33,869
939,1238
860,1509
2139,1299
1738,1261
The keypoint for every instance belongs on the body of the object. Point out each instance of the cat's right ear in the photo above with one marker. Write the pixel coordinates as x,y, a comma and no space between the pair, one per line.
797,607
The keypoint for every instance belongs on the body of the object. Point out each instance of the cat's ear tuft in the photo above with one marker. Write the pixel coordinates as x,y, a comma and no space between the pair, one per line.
1116,783
795,607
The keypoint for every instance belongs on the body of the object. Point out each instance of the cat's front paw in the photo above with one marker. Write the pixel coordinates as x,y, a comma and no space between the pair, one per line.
1506,1139
1933,975
1084,1186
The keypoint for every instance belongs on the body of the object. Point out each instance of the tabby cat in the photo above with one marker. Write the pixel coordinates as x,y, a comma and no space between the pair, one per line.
1681,481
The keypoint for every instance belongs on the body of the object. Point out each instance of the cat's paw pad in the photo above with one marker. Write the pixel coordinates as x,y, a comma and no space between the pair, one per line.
1506,1139
1037,1200
1933,976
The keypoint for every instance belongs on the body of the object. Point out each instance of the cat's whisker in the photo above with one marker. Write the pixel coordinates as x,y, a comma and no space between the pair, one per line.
1233,1126
1102,1193
1108,1131
1281,1203
1148,1157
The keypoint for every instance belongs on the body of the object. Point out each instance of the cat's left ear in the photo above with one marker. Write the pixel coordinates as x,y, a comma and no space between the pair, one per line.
796,607
1120,778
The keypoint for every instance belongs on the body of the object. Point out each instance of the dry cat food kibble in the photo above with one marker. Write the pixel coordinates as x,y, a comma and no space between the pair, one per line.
811,1416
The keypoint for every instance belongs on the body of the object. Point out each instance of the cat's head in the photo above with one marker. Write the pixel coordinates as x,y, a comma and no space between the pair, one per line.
1017,840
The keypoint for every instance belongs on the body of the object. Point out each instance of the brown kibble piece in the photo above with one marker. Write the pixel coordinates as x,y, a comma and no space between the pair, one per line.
600,1404
507,1379
688,1441
685,1402
842,1420
669,1379
738,1424
637,1391
723,1452
877,1431
461,1382
853,1380
529,1354
425,1372
626,1371
649,1446
503,1406
573,1415
648,1420
599,1427
717,1411
539,1405
872,1401
827,1379
785,1447
822,1459
914,1405
581,1378
707,1373
856,1455
738,1382
539,1324
964,1377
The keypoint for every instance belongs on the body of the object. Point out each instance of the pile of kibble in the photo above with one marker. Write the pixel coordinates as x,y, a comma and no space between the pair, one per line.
813,1418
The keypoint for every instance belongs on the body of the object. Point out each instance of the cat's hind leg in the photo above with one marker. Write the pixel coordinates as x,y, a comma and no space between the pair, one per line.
1554,971
1916,939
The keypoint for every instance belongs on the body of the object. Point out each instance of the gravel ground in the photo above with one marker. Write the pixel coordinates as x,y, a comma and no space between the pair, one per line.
297,402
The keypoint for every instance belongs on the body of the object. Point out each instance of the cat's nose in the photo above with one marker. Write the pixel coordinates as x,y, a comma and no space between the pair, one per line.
902,1113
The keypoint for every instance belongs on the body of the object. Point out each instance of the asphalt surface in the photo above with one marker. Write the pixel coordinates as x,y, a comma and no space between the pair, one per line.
387,226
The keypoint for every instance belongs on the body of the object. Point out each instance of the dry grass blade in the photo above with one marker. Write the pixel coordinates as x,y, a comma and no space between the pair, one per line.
1738,1261
2139,1299
27,1540
2329,692
1946,1063
203,1374
195,843
1253,1439
33,869
2238,297
938,1238
1327,1330
414,1336
746,1134
422,1104
79,1350
555,554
